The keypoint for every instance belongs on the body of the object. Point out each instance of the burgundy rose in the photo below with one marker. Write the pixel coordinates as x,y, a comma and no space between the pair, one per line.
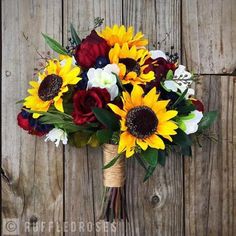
85,100
90,49
160,67
198,104
23,122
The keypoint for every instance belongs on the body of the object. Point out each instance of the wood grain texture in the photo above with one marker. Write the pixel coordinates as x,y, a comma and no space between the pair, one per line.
156,207
209,36
83,170
159,20
210,177
32,170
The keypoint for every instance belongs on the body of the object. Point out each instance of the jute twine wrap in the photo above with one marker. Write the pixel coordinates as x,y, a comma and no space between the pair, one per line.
113,176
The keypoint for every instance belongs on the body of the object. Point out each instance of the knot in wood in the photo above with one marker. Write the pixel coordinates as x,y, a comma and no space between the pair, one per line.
155,200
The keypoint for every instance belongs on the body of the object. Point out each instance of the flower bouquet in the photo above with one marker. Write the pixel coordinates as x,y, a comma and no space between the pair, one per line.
109,90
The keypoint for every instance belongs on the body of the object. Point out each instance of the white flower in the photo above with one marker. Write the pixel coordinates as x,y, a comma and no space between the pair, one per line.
181,81
104,78
182,74
189,123
157,53
56,135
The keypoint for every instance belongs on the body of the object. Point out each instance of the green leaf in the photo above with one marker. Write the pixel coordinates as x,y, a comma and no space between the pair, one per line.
186,151
169,75
162,157
181,138
141,161
112,162
20,101
80,139
107,118
104,135
186,108
54,45
150,156
71,127
181,98
74,35
207,120
149,173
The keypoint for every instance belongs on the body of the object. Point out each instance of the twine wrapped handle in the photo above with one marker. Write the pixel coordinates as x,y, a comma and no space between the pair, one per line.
113,176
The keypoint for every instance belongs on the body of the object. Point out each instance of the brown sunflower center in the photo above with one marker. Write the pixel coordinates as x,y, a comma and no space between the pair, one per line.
141,122
131,65
50,87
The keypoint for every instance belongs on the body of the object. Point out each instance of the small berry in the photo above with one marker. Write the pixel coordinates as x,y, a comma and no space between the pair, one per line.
101,62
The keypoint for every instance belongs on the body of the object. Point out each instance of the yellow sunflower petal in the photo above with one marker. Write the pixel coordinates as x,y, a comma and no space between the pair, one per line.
34,84
71,77
142,144
136,95
66,68
123,127
155,142
32,91
59,105
117,110
129,152
151,98
166,115
126,141
160,105
167,128
167,137
36,115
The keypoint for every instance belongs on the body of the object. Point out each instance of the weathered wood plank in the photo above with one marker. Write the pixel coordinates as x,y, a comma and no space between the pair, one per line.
209,36
83,170
210,175
156,207
33,180
160,20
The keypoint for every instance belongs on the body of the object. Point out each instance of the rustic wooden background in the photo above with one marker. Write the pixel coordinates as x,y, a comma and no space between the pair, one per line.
189,196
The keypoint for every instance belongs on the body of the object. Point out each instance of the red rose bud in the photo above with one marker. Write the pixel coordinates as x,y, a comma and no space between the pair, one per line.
33,126
23,122
90,49
198,104
85,100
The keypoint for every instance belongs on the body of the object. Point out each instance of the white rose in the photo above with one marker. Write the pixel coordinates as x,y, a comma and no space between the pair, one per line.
189,123
104,78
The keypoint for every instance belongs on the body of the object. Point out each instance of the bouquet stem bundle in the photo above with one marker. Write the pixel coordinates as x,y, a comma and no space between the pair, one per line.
114,196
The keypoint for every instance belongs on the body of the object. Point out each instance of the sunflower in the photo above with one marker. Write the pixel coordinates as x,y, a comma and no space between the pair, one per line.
143,120
120,35
131,63
52,83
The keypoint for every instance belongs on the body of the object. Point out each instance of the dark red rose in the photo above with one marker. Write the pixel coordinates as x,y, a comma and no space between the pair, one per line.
160,67
23,122
198,104
90,49
85,100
